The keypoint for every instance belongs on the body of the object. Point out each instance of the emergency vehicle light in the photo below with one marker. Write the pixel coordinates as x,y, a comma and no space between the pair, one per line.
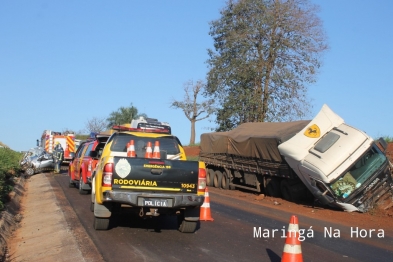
145,130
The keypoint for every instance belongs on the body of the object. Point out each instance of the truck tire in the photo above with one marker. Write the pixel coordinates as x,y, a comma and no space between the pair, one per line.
188,226
101,223
286,191
93,197
210,177
217,179
225,181
81,190
293,190
71,184
272,187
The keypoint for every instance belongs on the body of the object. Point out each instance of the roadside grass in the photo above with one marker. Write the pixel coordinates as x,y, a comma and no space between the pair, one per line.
9,168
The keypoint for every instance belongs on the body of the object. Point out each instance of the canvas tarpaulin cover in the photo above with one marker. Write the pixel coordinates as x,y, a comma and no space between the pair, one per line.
256,140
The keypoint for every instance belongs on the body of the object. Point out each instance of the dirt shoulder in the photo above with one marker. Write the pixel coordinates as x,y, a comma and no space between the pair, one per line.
49,229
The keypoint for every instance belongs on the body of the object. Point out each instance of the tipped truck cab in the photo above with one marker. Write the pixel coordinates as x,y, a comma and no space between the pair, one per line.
341,165
127,176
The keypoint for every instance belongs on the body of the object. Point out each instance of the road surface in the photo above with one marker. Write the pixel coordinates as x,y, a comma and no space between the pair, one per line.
241,231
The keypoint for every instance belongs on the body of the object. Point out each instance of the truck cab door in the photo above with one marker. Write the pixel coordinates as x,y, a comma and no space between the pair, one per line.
76,163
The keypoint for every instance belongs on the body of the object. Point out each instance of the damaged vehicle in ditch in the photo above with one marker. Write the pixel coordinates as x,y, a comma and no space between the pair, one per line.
37,160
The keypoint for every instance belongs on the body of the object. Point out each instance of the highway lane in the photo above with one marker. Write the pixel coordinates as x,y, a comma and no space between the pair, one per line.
230,237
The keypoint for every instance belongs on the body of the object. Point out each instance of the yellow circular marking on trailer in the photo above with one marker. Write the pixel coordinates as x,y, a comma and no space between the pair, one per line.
313,131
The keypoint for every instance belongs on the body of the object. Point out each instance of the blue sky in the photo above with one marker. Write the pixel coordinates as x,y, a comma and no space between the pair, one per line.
65,62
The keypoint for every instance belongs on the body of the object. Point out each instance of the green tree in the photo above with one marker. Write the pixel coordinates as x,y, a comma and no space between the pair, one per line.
266,53
194,110
123,115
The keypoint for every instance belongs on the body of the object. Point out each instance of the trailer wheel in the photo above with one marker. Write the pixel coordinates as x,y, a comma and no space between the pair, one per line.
81,190
273,187
210,177
286,191
217,179
234,181
225,181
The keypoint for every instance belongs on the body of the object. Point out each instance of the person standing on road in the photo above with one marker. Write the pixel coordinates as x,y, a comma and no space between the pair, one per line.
58,156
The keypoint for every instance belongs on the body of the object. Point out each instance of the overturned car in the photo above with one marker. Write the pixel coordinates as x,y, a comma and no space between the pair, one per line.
37,160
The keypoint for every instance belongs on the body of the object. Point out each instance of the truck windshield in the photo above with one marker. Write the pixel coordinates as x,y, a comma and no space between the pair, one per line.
359,173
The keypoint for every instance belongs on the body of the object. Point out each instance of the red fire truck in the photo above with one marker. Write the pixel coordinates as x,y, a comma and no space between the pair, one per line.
66,139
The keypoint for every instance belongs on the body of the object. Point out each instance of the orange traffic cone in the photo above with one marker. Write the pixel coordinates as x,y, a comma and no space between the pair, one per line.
148,153
131,149
205,214
156,152
292,249
128,148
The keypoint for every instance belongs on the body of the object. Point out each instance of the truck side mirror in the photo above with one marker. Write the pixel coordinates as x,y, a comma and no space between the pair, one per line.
381,143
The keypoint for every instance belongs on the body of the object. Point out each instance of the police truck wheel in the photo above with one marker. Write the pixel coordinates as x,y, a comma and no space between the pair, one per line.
101,223
186,226
217,179
81,190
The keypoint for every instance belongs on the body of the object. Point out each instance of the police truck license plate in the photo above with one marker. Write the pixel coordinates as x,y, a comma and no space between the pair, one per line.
154,202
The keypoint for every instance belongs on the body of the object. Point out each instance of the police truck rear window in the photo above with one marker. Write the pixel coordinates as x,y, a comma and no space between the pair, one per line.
168,144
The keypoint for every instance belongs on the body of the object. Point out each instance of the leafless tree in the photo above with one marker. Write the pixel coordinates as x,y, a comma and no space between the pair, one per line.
96,124
194,110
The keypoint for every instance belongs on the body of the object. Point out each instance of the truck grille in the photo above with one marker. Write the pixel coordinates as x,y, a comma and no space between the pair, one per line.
379,190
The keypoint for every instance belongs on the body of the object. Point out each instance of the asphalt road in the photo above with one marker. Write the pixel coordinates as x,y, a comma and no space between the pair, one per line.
230,237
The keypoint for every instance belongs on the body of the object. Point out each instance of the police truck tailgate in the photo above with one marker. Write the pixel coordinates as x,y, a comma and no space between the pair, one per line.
155,175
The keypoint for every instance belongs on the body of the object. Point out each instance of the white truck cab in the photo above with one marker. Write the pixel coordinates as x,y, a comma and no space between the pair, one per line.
340,165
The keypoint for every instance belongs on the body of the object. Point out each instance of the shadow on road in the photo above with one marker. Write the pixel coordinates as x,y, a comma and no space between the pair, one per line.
129,218
273,256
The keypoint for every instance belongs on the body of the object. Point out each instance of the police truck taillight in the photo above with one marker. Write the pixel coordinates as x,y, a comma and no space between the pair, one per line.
201,180
107,175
